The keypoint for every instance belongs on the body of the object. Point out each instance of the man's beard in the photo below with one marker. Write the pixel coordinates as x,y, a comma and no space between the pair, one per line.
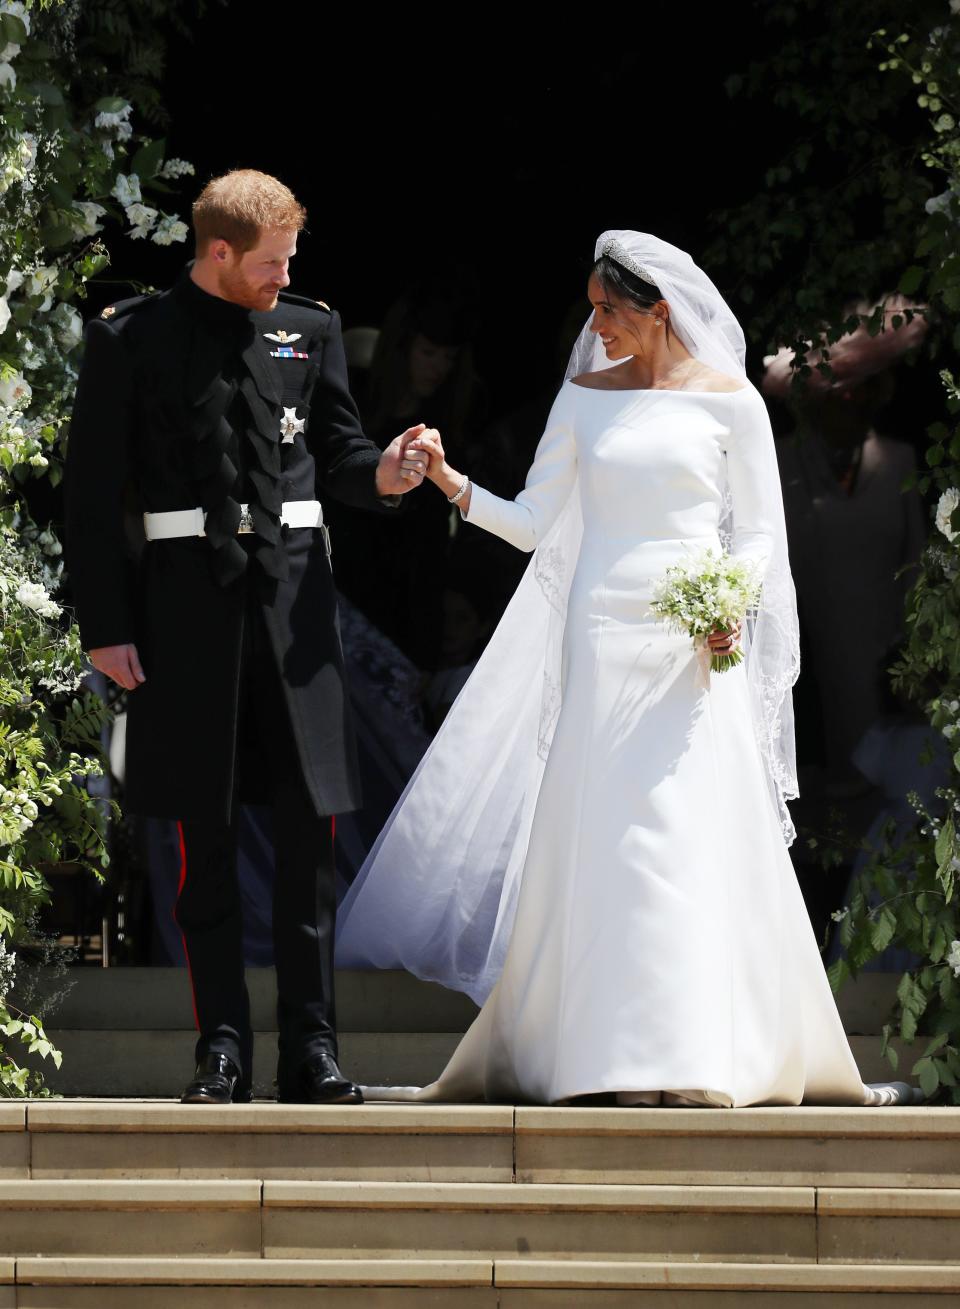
239,291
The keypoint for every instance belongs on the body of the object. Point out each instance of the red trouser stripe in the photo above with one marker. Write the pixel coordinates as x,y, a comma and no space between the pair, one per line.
183,878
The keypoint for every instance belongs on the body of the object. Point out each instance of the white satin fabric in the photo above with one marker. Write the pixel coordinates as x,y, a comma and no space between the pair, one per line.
654,936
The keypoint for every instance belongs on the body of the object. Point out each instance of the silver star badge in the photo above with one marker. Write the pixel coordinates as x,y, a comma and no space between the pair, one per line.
283,338
290,425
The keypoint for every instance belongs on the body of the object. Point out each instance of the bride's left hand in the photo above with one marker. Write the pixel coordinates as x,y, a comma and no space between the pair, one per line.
722,642
428,444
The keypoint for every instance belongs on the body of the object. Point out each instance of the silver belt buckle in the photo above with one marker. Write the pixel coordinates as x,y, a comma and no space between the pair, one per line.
246,521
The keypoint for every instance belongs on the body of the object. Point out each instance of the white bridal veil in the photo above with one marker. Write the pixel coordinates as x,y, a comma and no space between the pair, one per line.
437,894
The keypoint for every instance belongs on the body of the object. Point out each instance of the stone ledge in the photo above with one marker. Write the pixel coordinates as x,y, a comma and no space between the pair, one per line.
726,1276
13,1116
941,1122
95,1194
252,1272
888,1202
462,1196
171,1116
168,1115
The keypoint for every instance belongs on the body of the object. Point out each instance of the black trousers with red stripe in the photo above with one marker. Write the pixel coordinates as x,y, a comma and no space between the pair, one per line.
208,907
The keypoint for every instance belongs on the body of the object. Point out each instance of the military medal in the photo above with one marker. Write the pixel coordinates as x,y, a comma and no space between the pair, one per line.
290,425
285,342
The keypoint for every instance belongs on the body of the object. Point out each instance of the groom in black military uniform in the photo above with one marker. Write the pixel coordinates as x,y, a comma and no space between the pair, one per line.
219,410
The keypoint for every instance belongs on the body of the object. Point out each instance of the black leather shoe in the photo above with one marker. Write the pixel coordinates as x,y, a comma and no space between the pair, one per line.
318,1080
217,1081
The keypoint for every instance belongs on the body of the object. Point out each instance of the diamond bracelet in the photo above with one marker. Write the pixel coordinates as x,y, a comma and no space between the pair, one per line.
455,499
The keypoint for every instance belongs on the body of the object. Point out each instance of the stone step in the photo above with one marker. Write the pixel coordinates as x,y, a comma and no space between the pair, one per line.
158,999
106,1283
469,1220
741,1224
158,1062
296,1142
142,1217
805,1146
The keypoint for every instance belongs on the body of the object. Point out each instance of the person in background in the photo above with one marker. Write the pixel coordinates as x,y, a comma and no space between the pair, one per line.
853,531
424,364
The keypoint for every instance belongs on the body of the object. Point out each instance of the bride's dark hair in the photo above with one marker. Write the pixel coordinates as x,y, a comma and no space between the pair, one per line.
628,286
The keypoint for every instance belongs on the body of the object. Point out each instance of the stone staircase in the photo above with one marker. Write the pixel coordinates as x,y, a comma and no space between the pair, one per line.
148,1204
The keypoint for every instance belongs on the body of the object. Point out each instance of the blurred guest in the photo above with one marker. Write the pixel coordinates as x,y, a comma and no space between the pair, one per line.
472,603
853,530
423,363
359,345
900,755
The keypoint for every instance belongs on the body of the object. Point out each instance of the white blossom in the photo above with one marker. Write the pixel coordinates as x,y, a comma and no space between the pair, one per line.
41,280
8,964
141,219
8,78
49,544
839,915
33,596
126,189
14,280
945,507
88,219
15,392
953,957
174,168
68,326
31,357
4,314
28,150
170,229
115,122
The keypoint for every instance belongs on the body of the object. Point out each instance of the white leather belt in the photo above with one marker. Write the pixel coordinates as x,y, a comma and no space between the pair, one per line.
190,522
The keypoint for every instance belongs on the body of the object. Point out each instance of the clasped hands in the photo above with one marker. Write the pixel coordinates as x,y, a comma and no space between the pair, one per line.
403,465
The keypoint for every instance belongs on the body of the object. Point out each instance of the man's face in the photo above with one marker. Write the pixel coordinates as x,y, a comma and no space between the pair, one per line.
255,278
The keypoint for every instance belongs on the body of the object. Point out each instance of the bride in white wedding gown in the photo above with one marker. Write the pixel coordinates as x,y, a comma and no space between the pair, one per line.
594,846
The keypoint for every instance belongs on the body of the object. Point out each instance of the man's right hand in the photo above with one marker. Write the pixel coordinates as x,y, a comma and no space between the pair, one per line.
120,663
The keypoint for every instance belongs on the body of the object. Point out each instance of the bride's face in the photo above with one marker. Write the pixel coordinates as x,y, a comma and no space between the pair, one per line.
624,329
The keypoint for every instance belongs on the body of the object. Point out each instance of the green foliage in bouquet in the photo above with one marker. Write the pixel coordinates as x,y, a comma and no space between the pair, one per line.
866,195
71,162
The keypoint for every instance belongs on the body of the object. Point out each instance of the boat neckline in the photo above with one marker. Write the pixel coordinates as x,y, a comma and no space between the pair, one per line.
652,390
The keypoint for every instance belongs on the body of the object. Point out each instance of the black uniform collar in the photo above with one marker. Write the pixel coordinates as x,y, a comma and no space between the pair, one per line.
213,310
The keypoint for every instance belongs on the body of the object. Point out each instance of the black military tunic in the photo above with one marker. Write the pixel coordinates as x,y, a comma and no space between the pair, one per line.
180,404
186,401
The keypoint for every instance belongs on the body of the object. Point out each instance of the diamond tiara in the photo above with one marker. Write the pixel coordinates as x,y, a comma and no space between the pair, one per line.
614,250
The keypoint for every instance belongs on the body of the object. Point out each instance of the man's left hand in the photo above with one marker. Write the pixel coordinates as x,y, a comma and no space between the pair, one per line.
397,472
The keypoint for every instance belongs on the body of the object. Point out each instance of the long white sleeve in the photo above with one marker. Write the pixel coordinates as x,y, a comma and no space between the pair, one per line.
524,521
754,479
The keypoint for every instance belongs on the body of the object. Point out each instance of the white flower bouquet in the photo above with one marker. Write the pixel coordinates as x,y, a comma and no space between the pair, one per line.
706,593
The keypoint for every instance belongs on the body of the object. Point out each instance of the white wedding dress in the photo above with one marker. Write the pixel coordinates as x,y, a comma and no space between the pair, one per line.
660,942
